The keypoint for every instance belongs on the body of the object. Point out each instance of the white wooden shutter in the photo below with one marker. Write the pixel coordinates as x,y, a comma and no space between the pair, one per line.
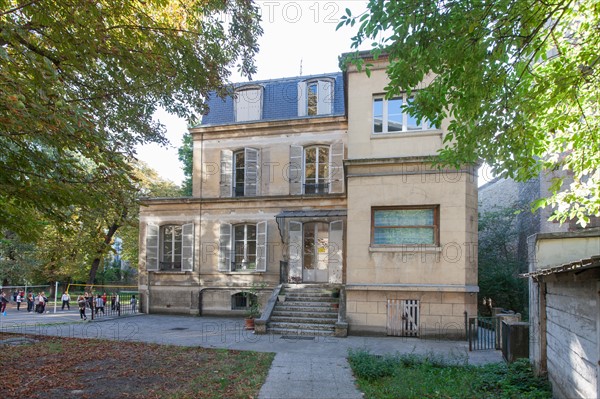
226,173
295,171
254,101
261,247
335,255
241,106
302,99
248,105
225,247
152,240
251,172
295,249
324,97
336,167
187,247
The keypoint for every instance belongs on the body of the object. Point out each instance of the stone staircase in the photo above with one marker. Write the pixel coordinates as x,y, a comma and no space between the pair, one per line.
307,310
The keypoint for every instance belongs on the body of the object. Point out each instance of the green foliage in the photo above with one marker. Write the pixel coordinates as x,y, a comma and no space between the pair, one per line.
186,157
17,260
499,264
369,367
518,80
80,82
430,376
251,295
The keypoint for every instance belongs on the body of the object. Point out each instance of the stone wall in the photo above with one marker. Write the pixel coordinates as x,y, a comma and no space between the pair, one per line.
442,314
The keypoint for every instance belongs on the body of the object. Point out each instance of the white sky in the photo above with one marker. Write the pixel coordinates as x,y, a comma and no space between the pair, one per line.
294,31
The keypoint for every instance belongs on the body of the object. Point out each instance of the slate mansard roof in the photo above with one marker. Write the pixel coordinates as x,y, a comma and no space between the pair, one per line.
280,100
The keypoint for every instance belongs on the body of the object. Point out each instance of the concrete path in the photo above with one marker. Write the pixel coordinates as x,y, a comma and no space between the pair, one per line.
303,368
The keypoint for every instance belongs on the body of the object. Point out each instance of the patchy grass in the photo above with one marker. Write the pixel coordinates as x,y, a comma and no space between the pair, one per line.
411,376
54,367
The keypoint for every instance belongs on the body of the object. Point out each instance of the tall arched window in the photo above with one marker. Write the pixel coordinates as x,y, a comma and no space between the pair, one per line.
245,246
316,170
171,238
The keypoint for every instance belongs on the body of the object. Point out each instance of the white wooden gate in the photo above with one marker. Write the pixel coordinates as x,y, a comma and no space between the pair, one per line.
403,317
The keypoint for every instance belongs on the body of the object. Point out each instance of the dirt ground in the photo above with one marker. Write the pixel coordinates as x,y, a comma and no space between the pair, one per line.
49,367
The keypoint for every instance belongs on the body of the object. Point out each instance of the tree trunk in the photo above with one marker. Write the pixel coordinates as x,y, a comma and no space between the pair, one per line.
100,253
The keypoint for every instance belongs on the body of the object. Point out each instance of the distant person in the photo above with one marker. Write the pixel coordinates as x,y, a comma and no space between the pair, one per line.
89,299
104,298
113,301
99,304
133,303
42,302
66,298
82,303
30,302
19,300
3,301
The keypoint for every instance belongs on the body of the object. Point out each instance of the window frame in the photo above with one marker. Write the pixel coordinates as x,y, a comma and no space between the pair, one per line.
247,298
234,264
325,185
170,265
435,226
425,125
238,93
323,100
235,190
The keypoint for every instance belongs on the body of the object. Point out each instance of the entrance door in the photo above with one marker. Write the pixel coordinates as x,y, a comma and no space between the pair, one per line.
316,252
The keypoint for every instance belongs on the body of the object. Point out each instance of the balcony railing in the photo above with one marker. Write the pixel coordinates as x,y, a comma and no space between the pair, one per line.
170,266
316,188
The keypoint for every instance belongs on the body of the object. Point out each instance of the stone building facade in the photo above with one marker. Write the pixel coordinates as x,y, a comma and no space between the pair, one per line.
318,180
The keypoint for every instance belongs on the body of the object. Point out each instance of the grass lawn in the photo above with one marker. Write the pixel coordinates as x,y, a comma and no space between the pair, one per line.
50,367
411,376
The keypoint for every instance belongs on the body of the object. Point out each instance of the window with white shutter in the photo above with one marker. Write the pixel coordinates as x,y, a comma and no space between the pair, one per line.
187,247
248,104
315,97
152,232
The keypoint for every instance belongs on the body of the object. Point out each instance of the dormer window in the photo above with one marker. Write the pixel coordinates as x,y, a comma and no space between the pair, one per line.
315,97
248,103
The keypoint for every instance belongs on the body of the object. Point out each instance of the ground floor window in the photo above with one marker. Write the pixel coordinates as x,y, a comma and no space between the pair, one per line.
171,245
405,225
242,301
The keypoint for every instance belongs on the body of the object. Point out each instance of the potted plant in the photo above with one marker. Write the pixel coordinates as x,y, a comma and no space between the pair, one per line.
281,296
335,294
252,313
253,310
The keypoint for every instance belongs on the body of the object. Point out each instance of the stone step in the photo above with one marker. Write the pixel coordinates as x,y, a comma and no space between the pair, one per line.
303,319
307,293
306,303
304,308
294,332
302,326
326,314
312,297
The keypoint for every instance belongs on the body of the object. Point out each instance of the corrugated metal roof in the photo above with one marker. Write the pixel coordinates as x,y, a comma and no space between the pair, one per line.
582,264
313,213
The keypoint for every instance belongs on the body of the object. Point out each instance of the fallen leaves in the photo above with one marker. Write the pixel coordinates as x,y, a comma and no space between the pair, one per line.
88,368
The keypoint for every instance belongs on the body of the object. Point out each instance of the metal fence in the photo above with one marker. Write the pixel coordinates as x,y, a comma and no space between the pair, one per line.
110,304
482,333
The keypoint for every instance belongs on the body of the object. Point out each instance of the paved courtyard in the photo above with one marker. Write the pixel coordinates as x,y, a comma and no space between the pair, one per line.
303,367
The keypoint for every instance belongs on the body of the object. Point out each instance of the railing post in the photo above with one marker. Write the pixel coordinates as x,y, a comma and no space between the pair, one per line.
470,336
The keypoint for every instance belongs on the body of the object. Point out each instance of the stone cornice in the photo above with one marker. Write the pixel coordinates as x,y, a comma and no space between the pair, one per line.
275,127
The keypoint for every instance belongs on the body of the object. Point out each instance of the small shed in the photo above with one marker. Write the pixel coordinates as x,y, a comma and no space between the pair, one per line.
564,291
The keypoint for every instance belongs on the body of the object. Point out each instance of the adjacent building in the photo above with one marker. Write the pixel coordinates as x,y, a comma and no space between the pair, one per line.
319,180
